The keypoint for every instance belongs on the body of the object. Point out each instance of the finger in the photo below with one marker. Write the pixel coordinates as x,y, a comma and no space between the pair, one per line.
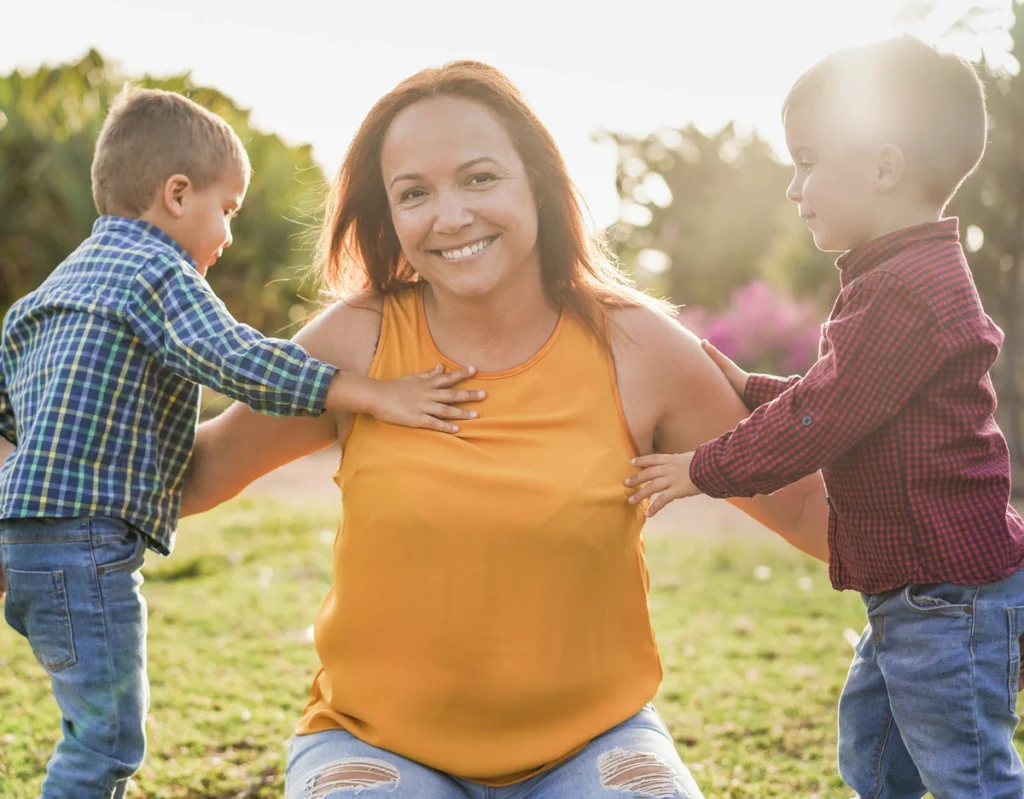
437,370
647,475
649,490
441,380
442,411
721,360
660,502
658,459
433,423
457,395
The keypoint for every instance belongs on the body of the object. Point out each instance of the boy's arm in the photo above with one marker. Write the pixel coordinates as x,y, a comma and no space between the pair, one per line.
754,389
187,328
884,347
8,429
762,389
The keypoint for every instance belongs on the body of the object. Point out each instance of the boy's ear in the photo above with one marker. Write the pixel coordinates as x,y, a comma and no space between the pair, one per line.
175,195
890,166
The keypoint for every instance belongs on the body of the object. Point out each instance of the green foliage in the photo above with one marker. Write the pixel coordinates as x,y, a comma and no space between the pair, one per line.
716,206
49,122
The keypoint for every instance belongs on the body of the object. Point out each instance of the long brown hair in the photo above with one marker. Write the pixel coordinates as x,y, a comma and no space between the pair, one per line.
359,248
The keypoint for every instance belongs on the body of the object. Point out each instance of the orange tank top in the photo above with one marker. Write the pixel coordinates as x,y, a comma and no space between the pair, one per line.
488,615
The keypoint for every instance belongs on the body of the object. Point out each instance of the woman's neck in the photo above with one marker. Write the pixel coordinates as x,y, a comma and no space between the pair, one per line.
492,332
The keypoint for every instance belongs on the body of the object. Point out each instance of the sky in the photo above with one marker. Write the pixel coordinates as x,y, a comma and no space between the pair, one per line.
311,69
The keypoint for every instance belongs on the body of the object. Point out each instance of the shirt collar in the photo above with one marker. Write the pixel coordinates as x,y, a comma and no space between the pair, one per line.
140,228
862,259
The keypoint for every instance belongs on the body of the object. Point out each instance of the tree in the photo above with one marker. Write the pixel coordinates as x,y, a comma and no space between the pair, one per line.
714,208
49,122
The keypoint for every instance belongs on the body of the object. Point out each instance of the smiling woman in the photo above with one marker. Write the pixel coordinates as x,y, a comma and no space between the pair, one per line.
487,633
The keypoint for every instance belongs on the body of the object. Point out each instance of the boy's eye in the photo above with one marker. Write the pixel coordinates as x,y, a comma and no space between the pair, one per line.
804,165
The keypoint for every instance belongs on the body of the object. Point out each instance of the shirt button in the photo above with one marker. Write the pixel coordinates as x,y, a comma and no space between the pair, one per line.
806,420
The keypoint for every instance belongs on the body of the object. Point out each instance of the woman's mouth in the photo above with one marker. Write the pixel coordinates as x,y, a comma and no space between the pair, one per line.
465,252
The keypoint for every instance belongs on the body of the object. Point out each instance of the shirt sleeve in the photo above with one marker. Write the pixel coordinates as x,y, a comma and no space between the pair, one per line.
762,389
185,326
884,345
8,429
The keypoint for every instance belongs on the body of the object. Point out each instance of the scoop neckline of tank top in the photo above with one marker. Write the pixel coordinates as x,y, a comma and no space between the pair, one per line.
421,315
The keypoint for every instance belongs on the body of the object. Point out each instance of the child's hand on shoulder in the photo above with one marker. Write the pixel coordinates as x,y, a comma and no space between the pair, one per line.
668,476
737,377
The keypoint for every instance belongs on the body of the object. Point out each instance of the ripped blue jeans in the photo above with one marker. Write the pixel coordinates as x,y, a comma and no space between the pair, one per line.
635,760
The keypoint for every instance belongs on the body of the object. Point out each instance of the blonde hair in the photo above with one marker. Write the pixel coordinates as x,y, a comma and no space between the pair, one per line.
934,102
149,135
359,248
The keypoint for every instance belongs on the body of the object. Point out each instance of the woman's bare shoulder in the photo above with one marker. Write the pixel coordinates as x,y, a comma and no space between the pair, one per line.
345,332
673,388
655,344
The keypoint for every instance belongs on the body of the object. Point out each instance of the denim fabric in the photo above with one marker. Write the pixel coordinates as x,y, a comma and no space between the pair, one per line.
930,700
73,591
635,760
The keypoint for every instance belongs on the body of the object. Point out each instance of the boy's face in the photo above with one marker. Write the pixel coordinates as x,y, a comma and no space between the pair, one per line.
833,184
204,228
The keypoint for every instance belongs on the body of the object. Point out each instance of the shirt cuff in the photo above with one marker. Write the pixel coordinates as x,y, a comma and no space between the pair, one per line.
706,474
314,382
762,389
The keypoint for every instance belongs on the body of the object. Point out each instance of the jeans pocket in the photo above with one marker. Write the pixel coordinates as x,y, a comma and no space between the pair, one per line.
941,598
37,606
1015,625
121,548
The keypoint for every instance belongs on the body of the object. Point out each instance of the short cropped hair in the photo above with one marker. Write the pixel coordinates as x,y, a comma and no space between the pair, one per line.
150,135
933,103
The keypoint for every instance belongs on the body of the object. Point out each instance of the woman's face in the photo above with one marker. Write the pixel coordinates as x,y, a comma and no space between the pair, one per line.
460,199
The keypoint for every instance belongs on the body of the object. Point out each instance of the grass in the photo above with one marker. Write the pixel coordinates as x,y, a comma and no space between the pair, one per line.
752,637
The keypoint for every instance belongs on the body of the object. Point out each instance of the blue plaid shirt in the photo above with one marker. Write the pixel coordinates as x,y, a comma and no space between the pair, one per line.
99,385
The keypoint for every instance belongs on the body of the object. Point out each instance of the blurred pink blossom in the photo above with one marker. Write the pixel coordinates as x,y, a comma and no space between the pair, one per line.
764,329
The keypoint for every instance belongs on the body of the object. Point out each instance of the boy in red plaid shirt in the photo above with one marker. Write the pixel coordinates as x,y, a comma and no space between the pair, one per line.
897,413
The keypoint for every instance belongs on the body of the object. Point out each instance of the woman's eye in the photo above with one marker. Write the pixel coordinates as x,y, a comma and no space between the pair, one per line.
411,194
481,179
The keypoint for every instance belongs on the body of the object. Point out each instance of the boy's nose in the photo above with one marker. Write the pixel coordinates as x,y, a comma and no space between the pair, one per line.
795,191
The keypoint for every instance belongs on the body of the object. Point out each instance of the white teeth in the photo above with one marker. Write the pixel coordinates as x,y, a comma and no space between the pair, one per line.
465,252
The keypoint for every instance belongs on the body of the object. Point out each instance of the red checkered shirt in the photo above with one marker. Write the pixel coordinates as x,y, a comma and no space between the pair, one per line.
897,414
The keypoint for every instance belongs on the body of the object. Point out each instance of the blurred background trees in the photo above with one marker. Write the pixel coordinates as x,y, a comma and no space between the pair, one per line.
49,122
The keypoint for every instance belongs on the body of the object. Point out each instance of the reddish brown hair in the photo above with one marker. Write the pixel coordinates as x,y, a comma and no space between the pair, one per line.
359,248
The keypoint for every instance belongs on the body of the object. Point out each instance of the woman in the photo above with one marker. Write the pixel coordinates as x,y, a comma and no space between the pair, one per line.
487,632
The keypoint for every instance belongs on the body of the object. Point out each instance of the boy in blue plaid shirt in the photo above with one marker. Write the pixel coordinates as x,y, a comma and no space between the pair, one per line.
99,389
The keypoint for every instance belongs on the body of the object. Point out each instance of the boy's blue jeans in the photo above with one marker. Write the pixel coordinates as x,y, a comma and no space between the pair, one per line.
73,591
929,703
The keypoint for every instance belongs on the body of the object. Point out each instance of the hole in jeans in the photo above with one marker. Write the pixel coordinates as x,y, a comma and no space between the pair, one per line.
641,774
356,774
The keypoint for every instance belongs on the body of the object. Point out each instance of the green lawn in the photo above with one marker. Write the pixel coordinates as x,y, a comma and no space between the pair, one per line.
752,637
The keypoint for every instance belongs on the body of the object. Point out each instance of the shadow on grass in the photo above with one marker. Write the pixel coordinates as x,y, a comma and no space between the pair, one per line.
192,568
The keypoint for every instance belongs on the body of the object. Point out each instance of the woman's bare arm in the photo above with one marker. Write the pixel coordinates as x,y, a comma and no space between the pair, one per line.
241,445
675,399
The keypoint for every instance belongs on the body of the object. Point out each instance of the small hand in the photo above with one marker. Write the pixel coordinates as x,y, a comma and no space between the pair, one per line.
668,476
425,400
737,377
